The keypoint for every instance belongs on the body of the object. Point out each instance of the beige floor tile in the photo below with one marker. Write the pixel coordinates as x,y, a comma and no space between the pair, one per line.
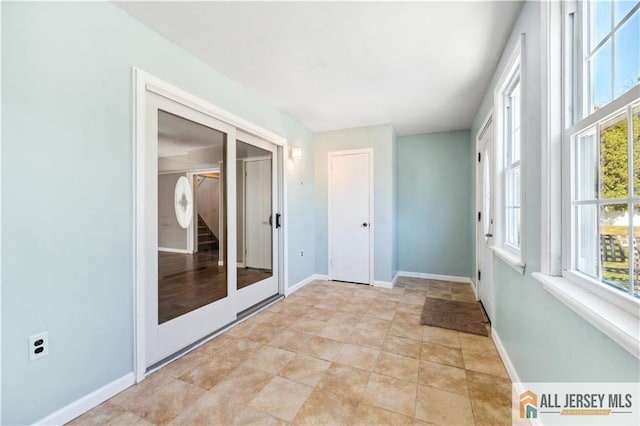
251,417
444,377
108,413
443,408
319,314
486,414
484,362
402,346
242,384
368,415
357,356
490,389
269,359
322,348
186,363
212,372
282,398
408,317
210,409
475,343
326,408
442,354
441,336
305,369
470,298
413,298
398,366
290,340
385,314
159,398
345,380
344,318
264,333
336,332
368,337
410,331
307,326
227,347
390,393
374,323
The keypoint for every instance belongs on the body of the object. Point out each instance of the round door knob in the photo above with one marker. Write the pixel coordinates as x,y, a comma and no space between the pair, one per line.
365,224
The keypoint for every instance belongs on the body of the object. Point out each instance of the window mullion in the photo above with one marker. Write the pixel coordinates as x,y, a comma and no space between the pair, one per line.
598,204
630,194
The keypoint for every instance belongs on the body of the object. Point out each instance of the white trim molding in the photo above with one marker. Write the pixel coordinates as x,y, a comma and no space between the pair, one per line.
172,250
504,355
619,325
87,402
383,284
510,258
297,286
451,278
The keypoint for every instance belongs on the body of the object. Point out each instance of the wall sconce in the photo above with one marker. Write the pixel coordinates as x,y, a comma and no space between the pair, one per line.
295,152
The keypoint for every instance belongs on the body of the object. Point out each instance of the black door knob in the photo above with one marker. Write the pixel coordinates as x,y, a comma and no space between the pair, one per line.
365,224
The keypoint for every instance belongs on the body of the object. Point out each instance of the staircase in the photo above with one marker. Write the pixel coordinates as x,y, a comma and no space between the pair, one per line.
207,241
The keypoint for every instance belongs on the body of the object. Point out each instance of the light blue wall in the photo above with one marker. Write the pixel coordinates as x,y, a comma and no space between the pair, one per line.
434,200
380,138
545,340
67,191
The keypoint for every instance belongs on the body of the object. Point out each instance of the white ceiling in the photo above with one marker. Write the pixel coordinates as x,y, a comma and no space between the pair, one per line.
421,66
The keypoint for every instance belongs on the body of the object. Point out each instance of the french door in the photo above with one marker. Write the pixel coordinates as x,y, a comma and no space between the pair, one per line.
190,292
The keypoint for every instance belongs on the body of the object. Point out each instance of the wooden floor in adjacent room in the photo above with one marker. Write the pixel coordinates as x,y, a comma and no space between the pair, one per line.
190,281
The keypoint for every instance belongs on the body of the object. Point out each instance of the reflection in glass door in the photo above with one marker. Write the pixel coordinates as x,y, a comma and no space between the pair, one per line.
257,221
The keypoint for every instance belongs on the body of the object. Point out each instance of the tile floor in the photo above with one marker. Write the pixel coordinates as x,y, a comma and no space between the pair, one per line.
331,353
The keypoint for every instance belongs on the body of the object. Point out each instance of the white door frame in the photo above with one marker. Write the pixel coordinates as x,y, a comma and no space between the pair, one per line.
488,119
144,82
192,230
330,157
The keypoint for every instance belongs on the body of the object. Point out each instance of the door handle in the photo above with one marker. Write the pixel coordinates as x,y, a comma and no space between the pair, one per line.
488,235
278,216
365,224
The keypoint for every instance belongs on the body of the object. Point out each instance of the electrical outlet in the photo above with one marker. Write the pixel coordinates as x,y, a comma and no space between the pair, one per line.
38,346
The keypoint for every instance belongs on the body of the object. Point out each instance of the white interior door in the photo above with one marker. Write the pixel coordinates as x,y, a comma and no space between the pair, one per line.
484,229
258,222
351,216
179,140
258,214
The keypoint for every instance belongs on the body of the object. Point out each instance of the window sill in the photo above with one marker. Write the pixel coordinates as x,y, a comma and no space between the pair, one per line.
619,325
509,258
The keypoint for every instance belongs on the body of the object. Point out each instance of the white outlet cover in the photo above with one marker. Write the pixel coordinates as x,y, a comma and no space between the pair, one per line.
32,345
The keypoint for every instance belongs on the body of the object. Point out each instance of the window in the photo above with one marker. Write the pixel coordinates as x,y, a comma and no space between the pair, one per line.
603,197
508,101
512,163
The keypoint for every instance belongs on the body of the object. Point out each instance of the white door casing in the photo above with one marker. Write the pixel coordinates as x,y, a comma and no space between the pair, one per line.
350,214
484,226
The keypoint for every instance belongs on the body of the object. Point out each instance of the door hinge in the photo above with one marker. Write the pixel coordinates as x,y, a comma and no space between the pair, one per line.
479,157
479,216
479,275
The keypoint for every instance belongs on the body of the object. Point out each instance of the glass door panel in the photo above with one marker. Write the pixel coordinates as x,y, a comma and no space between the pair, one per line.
256,221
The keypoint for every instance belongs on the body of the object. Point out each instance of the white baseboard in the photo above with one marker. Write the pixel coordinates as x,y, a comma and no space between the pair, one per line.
383,284
172,250
394,281
451,278
297,286
87,402
511,370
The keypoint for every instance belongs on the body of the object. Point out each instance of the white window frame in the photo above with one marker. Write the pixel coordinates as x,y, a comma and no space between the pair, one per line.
513,74
612,311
